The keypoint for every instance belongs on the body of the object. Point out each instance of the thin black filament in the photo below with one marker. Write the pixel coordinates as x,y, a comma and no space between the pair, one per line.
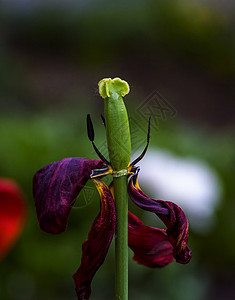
91,136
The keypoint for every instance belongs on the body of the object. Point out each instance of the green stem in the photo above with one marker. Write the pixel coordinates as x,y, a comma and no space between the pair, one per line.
119,146
121,241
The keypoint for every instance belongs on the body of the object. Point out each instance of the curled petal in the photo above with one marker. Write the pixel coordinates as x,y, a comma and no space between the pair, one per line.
172,216
177,230
150,245
95,248
12,214
55,188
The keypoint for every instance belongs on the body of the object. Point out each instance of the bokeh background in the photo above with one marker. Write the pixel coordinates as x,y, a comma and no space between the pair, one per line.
179,59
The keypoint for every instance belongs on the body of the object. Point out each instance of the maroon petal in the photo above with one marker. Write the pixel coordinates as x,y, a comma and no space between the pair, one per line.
95,248
177,230
172,216
55,188
150,245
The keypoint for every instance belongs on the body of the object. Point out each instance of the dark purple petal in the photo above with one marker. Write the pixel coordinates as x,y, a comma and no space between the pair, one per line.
55,188
177,230
95,248
172,216
150,245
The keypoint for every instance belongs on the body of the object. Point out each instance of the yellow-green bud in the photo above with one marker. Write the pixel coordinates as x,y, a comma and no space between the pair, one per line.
117,124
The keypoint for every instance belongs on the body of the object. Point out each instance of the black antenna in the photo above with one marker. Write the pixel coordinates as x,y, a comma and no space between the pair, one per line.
103,119
91,136
146,147
90,128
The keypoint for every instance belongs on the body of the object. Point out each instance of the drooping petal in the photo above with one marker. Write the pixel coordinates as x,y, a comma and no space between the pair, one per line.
55,188
177,230
12,214
172,216
150,245
95,248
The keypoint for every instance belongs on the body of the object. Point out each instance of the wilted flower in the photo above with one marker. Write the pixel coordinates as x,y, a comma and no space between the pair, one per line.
56,186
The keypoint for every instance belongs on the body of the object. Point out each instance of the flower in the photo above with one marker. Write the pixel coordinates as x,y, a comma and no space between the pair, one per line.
12,214
55,188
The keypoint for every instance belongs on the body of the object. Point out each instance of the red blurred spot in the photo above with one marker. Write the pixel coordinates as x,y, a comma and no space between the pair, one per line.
12,214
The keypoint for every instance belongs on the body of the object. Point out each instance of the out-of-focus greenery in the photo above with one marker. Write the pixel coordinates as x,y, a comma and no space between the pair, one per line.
51,60
106,30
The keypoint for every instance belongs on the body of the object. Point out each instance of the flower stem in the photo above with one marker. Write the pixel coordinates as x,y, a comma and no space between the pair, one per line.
119,147
121,241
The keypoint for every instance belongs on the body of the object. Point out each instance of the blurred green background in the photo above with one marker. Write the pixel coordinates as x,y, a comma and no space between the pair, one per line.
52,55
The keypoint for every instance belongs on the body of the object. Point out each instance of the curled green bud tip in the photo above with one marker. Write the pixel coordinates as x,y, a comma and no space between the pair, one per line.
108,86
